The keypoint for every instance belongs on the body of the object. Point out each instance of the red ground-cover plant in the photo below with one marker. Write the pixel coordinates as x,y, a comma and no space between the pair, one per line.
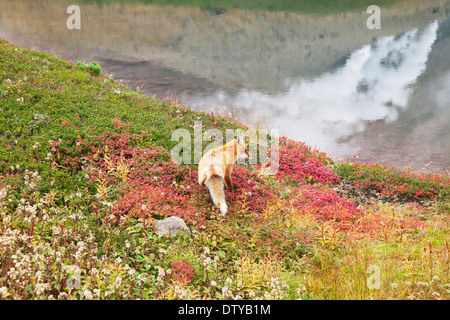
325,204
152,186
182,272
302,164
156,202
165,188
250,191
155,185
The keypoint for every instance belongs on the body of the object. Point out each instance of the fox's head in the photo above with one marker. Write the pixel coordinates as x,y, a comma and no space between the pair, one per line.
242,151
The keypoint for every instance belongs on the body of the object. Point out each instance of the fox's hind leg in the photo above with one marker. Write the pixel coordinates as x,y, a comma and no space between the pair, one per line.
228,183
202,179
227,179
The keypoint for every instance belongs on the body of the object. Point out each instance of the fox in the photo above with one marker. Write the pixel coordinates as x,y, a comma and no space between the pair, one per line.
215,168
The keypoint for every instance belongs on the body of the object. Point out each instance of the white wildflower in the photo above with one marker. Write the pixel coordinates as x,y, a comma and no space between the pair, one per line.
62,295
87,295
226,292
424,284
41,288
4,292
96,293
206,262
436,295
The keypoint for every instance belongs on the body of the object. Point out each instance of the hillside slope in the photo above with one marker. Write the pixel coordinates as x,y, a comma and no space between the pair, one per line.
85,171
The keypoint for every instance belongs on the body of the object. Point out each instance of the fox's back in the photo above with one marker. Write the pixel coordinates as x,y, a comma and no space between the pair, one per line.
216,161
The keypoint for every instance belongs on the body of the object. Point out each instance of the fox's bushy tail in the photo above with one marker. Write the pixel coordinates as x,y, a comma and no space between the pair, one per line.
216,188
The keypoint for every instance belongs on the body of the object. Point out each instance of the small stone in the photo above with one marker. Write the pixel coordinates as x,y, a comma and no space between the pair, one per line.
171,226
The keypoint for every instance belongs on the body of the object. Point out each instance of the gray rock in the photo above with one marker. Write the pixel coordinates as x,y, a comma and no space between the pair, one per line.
171,226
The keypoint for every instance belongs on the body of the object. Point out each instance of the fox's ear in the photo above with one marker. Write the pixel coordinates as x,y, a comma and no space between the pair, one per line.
240,140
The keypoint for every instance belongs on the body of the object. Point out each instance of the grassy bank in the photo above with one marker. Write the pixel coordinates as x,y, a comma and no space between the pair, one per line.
85,170
304,6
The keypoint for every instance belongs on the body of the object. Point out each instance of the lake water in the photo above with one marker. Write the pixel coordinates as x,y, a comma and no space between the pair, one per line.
323,78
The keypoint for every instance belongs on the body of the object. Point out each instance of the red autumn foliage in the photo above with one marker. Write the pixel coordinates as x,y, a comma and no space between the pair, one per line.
156,187
326,205
154,201
182,272
249,189
374,225
302,164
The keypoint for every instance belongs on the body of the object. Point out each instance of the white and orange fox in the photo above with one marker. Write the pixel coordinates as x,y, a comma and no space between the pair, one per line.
215,167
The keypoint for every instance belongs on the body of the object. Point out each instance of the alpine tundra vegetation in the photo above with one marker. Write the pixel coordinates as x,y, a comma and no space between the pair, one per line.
86,170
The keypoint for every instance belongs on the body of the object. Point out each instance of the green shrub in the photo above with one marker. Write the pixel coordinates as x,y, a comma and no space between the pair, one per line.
81,65
94,69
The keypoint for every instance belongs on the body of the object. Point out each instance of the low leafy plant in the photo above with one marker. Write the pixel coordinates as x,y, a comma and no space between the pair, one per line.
94,68
81,65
